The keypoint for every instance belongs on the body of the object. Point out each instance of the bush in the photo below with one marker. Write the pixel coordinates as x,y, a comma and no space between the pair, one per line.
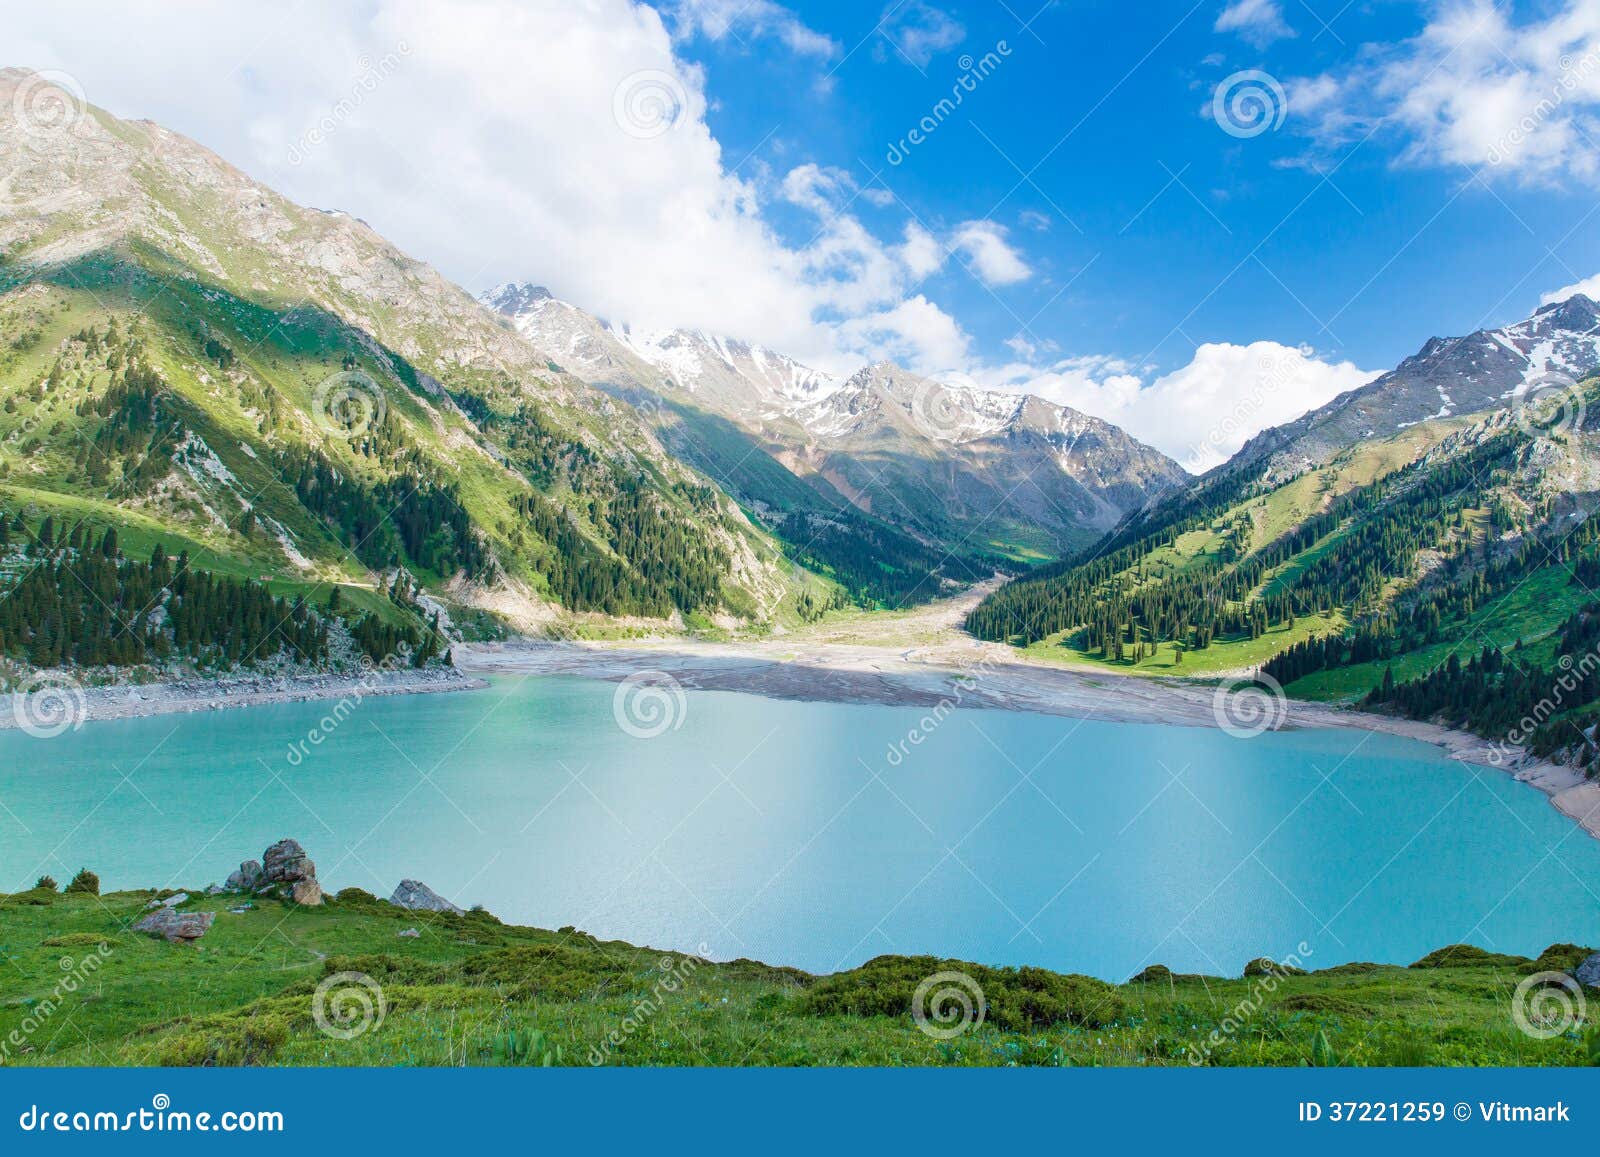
1561,958
226,1041
1018,999
1469,956
85,882
75,940
46,882
556,972
1354,968
1266,966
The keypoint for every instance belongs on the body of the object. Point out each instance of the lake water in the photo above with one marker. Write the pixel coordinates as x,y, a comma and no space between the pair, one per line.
798,833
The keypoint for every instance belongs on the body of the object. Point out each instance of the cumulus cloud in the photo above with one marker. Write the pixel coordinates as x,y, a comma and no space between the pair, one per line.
992,258
1259,22
921,252
513,139
1202,413
595,171
1589,287
915,333
1475,88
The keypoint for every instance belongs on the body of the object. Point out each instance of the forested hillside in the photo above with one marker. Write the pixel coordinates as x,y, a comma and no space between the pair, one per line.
198,365
1447,573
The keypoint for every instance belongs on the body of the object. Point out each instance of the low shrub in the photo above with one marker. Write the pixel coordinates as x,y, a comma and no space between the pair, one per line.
76,940
1561,958
225,1042
1017,999
1266,966
1469,956
1354,968
556,972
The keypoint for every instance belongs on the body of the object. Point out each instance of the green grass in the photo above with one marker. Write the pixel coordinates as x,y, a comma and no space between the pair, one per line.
1224,655
472,991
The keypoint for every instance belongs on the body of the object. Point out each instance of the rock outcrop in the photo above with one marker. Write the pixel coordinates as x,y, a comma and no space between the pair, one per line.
246,879
174,926
417,895
284,871
1588,973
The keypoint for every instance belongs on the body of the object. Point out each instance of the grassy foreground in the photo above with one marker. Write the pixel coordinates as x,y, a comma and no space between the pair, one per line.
338,985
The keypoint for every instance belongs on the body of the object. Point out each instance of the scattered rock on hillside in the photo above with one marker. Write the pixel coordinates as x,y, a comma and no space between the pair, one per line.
246,878
284,870
1588,973
408,933
417,895
176,926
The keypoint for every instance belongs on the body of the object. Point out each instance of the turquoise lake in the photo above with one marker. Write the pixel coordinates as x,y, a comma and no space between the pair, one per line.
797,833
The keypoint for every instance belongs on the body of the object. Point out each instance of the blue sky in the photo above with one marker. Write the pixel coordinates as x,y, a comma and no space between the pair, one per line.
1150,229
1092,222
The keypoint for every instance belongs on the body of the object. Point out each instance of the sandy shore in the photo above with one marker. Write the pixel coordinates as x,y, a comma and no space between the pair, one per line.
130,701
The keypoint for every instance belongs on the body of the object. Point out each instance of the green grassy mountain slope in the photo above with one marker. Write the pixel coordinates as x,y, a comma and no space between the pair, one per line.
191,359
1397,558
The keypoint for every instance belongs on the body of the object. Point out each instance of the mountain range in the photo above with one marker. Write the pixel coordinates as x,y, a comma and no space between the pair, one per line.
284,399
1485,370
947,463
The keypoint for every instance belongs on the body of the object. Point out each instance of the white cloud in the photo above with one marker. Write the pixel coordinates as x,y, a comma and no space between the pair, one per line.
1589,287
919,31
1473,89
468,156
718,19
993,259
1259,22
915,333
1202,413
921,252
517,139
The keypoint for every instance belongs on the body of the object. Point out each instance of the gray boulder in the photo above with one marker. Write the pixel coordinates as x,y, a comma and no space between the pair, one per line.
175,927
246,879
288,872
1588,973
416,895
